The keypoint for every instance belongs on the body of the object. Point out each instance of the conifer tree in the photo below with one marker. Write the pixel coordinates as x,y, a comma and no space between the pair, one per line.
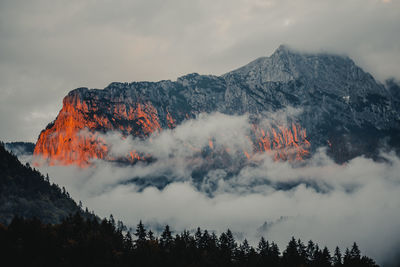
325,258
140,234
128,241
337,258
205,240
227,246
291,255
302,250
231,240
150,235
347,258
112,220
263,247
186,237
244,249
121,226
274,254
166,237
197,237
355,253
310,251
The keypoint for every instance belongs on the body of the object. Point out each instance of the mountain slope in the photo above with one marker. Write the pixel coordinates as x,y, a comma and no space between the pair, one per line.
20,148
342,106
27,193
341,103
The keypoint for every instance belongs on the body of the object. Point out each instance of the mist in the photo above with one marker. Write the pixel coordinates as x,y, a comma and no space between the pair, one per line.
313,199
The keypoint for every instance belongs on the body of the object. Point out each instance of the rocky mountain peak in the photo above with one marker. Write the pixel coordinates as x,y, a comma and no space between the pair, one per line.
283,51
337,99
286,64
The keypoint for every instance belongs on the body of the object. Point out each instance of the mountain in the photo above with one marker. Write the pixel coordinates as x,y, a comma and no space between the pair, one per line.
341,103
393,86
27,193
342,107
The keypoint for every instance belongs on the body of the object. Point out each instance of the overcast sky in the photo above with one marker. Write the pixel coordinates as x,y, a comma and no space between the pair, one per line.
48,47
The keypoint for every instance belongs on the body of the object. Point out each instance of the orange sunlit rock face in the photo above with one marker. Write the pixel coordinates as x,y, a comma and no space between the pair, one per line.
73,138
286,143
211,144
171,121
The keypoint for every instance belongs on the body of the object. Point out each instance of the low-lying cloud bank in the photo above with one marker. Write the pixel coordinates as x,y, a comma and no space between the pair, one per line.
315,199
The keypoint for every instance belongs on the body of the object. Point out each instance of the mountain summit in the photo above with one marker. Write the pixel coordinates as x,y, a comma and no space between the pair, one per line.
342,107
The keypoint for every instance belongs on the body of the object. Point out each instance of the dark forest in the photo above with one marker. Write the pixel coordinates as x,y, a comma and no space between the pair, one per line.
77,241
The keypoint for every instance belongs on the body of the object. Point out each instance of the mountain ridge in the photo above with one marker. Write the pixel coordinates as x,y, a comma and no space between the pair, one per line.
341,103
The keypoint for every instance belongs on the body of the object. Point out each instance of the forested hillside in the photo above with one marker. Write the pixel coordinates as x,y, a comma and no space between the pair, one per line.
25,192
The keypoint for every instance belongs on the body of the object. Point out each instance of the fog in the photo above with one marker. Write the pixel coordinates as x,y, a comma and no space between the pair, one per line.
314,199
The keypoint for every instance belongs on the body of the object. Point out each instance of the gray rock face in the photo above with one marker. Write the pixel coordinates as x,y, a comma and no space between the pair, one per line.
320,84
341,103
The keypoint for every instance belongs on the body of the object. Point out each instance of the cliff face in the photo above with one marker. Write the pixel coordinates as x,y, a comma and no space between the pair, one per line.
341,104
73,137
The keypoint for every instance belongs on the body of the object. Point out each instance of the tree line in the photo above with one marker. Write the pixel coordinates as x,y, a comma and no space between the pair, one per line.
80,241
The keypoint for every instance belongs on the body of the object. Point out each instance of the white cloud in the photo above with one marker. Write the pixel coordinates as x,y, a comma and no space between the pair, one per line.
317,199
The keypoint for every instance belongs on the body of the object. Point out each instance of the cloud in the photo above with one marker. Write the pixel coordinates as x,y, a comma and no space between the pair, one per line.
194,134
315,199
50,47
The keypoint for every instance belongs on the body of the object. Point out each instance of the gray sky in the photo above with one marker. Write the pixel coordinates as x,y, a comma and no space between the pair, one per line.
48,47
